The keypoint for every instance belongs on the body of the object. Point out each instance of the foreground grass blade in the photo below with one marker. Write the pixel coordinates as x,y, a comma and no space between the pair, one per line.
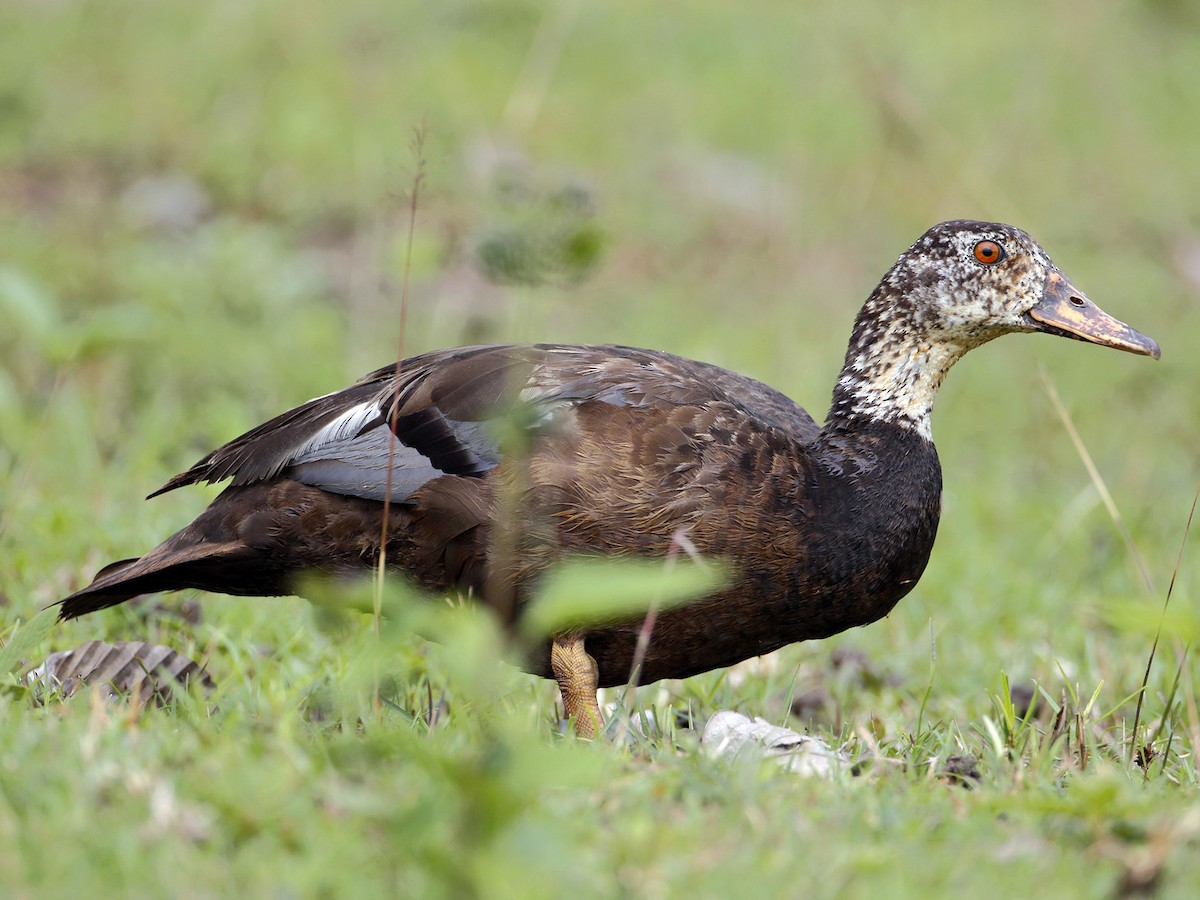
25,638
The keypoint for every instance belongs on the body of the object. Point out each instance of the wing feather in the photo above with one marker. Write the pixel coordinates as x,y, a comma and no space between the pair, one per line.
442,406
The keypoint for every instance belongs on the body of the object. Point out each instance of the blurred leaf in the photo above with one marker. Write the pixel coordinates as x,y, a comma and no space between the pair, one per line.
31,310
9,398
467,639
1135,617
404,606
26,638
474,648
588,590
112,326
540,765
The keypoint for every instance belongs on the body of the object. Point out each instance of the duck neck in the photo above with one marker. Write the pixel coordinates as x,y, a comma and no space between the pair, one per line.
874,497
892,373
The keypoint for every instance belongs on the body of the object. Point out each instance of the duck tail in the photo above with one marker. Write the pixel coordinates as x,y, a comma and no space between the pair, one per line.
227,549
174,564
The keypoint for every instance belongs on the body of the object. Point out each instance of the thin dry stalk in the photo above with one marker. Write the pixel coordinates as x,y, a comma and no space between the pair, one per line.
34,451
679,541
1097,480
539,65
417,145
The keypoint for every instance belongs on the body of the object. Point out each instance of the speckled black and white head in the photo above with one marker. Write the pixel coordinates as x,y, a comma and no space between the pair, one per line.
960,285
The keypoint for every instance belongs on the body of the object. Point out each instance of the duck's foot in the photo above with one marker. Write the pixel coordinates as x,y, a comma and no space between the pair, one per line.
578,678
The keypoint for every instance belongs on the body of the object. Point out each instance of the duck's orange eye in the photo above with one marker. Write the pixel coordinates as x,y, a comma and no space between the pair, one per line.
988,252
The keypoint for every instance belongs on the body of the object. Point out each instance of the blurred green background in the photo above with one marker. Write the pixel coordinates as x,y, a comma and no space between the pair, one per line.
204,217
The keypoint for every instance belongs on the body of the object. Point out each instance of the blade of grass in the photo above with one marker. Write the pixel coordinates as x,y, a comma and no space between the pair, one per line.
1158,634
928,687
1115,515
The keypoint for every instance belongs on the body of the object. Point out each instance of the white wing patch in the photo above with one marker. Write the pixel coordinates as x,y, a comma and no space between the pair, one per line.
344,459
345,426
357,465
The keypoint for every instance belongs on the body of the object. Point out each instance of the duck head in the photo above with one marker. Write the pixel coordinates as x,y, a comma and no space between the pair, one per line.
973,281
960,285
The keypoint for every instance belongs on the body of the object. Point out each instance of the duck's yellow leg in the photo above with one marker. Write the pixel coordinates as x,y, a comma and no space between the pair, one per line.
578,678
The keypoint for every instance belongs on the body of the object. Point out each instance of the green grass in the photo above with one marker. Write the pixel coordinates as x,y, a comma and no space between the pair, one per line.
740,179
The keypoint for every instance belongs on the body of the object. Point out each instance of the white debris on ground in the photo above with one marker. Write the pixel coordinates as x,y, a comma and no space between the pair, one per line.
731,735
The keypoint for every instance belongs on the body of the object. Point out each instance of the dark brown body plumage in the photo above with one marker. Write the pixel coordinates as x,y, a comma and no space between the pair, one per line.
824,530
499,459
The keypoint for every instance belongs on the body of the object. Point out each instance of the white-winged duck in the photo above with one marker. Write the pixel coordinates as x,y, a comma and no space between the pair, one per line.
826,527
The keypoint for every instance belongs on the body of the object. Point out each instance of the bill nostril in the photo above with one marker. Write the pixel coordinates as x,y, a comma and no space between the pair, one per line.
1078,302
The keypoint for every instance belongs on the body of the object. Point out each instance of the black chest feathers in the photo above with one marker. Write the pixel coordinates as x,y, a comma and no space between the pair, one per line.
849,542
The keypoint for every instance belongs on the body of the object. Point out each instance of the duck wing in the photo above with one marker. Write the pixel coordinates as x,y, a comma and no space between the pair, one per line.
439,414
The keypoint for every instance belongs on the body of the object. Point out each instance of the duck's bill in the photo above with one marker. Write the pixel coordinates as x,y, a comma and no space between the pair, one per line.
1065,311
